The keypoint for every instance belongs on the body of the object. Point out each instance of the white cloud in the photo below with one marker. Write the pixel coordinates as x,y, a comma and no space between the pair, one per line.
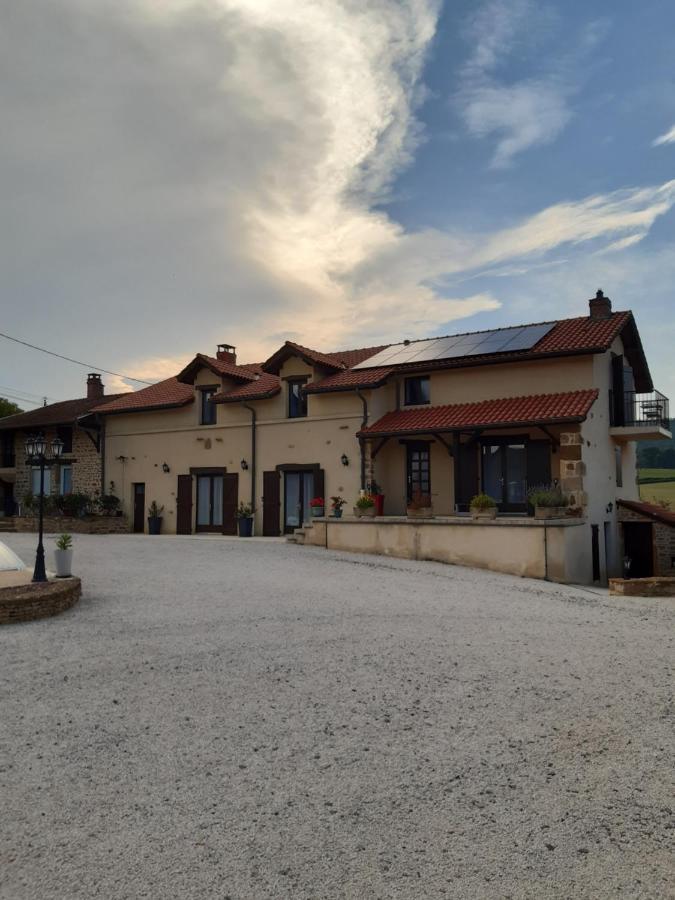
667,138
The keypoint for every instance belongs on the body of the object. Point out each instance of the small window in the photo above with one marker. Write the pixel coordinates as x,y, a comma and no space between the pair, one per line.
297,400
417,390
35,481
66,480
618,461
208,408
65,433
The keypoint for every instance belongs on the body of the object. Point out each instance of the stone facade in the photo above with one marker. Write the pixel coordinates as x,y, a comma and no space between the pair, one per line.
84,459
23,603
71,525
663,538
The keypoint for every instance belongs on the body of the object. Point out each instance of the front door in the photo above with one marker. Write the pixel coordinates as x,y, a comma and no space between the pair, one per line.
638,547
209,503
139,507
505,474
184,505
418,469
298,491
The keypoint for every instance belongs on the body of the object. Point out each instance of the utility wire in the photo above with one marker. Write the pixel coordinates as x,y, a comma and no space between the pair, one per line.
70,359
6,396
25,395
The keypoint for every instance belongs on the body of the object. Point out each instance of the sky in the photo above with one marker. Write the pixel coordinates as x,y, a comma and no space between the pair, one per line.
179,173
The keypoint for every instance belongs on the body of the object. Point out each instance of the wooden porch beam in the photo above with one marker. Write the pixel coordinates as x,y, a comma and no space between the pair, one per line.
380,445
549,434
448,446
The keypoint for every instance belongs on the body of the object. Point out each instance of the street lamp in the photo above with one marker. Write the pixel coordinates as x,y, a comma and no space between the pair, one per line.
36,454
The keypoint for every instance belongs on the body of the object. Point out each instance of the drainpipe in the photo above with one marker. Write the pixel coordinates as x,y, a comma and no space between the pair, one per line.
253,457
101,450
362,443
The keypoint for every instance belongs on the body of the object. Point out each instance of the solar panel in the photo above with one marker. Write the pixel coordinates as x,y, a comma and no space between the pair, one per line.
498,340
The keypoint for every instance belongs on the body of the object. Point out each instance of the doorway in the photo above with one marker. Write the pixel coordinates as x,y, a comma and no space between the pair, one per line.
209,503
418,469
298,491
505,474
638,546
139,506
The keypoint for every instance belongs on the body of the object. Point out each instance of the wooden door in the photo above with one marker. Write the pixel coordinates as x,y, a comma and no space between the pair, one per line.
271,501
418,469
184,505
230,500
638,546
139,507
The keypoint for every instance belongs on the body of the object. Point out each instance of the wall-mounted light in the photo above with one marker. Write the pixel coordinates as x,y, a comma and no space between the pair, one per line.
344,459
244,465
609,507
165,468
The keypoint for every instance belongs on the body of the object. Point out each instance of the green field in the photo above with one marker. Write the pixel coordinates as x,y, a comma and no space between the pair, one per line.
659,491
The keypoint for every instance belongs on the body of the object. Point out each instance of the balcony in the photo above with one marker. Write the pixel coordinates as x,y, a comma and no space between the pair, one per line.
639,417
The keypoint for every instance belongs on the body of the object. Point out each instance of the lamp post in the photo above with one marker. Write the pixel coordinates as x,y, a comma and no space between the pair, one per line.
36,454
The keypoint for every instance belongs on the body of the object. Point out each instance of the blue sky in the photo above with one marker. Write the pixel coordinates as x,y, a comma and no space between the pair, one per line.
183,173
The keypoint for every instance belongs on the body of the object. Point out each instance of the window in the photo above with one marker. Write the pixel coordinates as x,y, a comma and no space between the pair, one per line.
65,433
35,481
417,390
618,461
207,414
66,480
297,400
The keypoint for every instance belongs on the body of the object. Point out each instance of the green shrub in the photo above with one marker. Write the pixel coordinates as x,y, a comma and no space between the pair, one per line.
548,496
482,501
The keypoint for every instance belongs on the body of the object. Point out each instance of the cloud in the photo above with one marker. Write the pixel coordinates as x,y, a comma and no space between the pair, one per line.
529,111
667,138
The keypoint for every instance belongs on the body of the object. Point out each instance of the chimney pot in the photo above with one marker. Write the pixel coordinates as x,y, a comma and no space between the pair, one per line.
227,353
94,386
600,306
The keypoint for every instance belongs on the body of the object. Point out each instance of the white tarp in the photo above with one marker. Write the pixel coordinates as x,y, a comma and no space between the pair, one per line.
9,561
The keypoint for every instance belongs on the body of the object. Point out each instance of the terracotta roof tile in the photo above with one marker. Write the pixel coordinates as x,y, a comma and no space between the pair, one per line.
266,385
539,408
163,395
63,413
650,510
348,379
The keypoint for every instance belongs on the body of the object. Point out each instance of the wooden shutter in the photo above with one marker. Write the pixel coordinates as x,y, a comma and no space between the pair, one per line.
319,485
466,474
230,500
184,505
271,501
618,406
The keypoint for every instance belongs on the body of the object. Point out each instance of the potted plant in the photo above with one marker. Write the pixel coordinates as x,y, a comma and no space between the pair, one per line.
483,506
336,504
375,492
63,556
317,506
245,519
155,518
419,506
549,502
365,505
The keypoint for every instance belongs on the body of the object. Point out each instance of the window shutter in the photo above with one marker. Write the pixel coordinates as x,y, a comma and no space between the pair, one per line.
271,503
230,500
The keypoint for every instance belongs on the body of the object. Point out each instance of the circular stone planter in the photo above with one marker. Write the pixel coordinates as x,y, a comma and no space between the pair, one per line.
25,602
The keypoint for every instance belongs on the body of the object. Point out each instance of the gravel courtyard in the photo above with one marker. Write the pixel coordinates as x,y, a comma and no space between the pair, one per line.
252,720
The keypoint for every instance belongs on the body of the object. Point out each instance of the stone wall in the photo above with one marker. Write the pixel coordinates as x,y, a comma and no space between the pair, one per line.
25,602
71,525
663,537
84,459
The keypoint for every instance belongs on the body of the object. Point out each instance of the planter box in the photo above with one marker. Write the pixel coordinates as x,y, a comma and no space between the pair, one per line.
317,511
367,513
426,512
490,513
550,512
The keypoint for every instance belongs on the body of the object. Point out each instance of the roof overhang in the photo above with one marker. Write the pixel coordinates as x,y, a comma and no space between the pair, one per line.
289,350
472,428
189,373
635,354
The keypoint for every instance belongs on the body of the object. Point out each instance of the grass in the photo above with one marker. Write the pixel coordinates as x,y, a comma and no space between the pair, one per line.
658,474
652,493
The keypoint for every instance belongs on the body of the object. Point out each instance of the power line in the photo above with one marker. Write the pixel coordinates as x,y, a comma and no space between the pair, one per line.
25,395
70,359
21,399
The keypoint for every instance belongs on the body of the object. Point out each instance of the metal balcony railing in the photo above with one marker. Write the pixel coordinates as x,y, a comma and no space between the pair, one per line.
640,410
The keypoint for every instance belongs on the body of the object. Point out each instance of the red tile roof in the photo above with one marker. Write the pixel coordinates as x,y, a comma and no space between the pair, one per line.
339,359
650,510
163,395
218,367
516,411
66,412
266,385
348,380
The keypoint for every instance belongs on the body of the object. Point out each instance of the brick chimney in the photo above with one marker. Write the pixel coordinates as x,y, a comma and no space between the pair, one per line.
600,306
227,353
94,386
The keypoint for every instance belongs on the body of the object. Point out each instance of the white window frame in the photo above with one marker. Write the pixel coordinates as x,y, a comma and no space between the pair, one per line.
35,481
62,471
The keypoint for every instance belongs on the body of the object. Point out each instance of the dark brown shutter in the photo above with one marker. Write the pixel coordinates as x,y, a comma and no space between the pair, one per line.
184,505
271,503
319,485
466,474
230,500
618,406
538,463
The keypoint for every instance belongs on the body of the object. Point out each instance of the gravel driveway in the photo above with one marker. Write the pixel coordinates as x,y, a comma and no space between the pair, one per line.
222,718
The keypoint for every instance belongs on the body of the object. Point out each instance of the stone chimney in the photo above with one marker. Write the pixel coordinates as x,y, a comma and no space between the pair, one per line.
600,306
227,353
94,386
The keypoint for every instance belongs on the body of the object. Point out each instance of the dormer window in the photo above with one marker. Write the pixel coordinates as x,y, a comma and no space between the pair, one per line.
417,390
207,409
297,400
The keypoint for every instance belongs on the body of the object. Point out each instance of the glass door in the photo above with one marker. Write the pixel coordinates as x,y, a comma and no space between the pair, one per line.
419,469
298,491
209,503
505,474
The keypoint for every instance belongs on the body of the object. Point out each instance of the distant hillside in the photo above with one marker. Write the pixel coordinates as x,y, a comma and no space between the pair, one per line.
657,454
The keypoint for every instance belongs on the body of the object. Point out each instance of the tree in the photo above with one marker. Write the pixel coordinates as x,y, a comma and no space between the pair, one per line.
7,408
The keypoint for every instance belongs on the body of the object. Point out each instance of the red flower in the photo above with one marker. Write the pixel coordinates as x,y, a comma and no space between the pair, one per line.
317,501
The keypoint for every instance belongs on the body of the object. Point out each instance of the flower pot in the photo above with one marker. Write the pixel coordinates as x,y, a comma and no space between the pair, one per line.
379,504
425,512
63,560
245,526
550,512
154,524
337,513
317,511
366,512
489,513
